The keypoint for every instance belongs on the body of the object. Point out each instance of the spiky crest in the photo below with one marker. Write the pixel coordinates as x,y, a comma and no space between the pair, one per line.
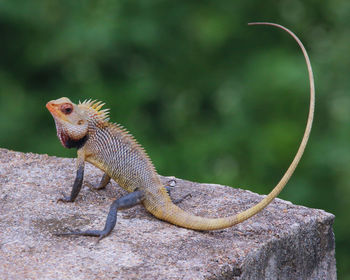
95,106
102,115
116,127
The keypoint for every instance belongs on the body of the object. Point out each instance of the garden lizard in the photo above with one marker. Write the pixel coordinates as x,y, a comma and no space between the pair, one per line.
114,150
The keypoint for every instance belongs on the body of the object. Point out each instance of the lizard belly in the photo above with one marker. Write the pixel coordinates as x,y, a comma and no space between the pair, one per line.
109,171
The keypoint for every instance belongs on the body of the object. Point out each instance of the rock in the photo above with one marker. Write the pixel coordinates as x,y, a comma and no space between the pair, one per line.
284,241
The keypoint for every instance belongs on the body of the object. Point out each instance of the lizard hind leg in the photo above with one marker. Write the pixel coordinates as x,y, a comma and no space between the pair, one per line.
124,202
179,200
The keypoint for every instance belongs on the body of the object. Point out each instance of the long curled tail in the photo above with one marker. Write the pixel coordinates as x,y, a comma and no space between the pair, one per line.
177,216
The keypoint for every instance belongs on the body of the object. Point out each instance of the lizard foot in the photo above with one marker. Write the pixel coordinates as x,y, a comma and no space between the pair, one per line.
65,198
104,182
92,187
171,183
179,200
96,233
125,202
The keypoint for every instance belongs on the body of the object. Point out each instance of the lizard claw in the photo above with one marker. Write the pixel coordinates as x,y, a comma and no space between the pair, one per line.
171,183
101,237
177,201
64,198
91,186
63,233
97,233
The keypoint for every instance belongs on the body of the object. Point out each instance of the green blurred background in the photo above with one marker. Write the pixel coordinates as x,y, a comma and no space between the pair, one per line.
211,99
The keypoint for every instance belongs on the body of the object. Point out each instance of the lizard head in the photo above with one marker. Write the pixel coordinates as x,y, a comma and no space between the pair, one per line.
71,122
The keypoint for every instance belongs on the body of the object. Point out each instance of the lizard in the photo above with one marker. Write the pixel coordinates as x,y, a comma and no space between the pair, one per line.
111,148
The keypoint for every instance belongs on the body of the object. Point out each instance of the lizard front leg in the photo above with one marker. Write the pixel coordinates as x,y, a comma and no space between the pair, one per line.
78,179
103,183
124,202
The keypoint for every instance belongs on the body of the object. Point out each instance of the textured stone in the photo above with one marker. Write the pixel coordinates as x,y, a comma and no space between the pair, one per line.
284,241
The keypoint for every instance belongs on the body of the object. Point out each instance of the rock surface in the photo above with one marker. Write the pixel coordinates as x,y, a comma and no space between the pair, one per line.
283,241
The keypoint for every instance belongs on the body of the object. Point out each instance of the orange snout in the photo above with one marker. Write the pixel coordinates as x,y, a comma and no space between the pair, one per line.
53,109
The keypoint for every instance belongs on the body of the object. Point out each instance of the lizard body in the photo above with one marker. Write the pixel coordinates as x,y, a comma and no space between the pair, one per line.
112,149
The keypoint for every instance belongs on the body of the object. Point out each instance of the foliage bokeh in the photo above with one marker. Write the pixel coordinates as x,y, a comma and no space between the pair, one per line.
210,98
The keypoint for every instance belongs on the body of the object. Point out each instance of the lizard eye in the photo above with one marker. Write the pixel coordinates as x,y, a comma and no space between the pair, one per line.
66,108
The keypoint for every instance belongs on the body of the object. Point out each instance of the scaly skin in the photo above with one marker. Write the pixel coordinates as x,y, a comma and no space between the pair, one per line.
111,148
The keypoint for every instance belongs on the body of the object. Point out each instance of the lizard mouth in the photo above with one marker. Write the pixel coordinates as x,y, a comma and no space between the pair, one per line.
61,134
53,109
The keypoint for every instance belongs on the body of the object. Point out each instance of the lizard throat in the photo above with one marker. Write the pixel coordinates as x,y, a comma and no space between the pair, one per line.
67,141
70,143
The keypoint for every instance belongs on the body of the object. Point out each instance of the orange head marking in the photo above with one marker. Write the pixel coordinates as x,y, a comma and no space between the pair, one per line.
71,122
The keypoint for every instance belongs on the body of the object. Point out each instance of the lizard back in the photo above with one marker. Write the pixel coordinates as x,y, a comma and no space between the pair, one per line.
115,151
